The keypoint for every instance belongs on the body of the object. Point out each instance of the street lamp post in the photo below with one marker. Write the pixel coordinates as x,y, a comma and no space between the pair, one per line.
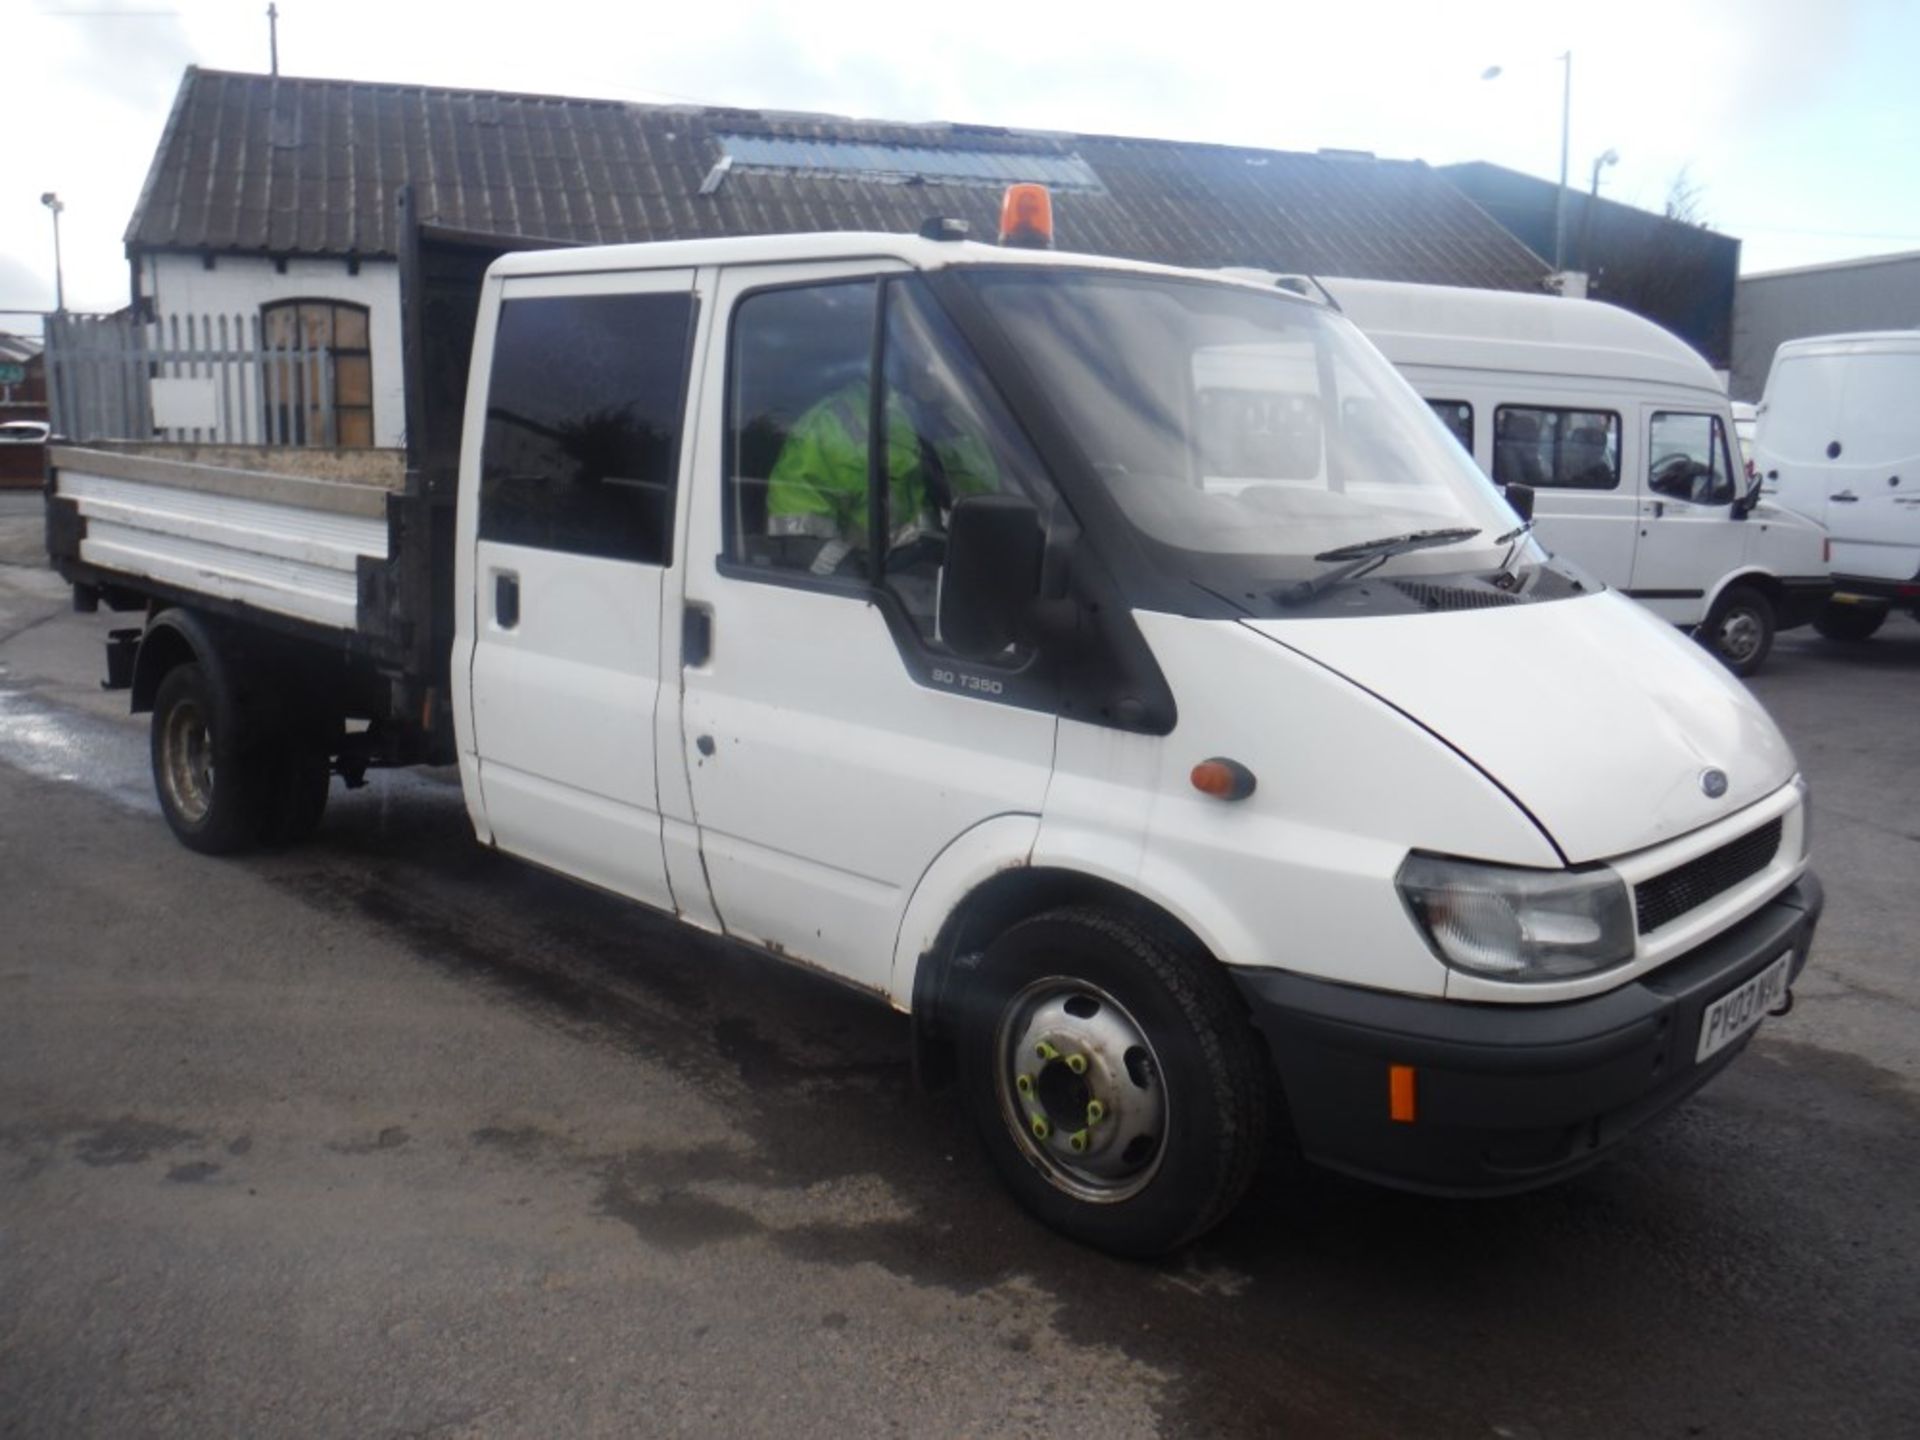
1606,157
52,202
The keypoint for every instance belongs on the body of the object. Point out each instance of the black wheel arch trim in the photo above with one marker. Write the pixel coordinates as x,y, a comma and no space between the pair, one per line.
172,638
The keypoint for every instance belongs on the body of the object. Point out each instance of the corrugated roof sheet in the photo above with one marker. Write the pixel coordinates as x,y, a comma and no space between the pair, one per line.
280,165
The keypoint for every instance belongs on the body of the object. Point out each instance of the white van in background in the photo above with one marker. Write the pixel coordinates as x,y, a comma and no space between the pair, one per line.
1839,441
1623,432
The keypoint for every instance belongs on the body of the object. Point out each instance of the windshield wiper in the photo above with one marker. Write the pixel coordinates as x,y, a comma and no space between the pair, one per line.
1366,555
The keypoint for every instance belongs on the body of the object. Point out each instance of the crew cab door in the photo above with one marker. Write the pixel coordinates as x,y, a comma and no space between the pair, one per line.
1689,540
579,467
833,746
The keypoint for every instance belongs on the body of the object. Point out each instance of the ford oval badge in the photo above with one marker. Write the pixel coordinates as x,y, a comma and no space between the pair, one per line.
1713,783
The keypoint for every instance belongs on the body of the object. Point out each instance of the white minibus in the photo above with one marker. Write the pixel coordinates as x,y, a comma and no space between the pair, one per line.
1625,436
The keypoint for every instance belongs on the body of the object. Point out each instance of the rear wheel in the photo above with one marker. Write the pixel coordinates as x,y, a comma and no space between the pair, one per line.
1740,630
1115,1079
207,792
297,780
1849,622
230,780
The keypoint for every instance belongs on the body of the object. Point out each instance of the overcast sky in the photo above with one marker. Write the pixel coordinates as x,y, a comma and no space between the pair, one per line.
1799,120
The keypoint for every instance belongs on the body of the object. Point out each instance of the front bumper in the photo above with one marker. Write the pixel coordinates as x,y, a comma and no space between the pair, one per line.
1508,1097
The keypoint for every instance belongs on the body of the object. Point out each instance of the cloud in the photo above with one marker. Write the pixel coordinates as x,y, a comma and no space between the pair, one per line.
22,287
123,54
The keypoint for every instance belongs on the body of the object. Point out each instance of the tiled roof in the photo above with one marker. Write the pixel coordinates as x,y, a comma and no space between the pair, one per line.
286,166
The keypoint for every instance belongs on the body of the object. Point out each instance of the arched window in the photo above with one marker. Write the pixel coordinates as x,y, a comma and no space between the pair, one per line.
319,386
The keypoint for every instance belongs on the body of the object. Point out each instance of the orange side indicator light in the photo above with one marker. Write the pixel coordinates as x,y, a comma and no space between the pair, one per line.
1026,217
1400,1093
1222,778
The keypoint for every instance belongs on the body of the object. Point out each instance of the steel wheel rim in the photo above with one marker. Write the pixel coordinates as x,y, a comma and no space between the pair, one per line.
186,752
1740,635
1081,1089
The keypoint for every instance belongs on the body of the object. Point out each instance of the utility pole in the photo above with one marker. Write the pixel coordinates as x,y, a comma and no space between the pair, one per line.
1560,198
1494,72
273,46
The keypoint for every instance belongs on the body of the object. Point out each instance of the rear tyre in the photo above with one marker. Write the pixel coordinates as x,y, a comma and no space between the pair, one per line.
1114,1078
207,792
1740,630
294,794
1849,622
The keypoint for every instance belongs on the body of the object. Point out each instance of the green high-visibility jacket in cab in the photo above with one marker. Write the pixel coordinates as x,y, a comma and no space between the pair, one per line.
819,483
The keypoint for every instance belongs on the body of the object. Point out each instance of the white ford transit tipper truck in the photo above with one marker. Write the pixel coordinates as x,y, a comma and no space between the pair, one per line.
1838,438
1168,715
1629,442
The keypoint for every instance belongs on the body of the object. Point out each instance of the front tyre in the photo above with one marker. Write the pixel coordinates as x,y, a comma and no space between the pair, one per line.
1115,1079
1740,630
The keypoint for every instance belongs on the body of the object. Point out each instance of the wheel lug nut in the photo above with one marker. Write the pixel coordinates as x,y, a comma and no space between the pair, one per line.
1096,1112
1077,1142
1077,1064
1024,1084
1041,1129
1046,1051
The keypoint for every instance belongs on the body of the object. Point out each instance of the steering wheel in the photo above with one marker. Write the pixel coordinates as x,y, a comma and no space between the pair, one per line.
1674,475
923,551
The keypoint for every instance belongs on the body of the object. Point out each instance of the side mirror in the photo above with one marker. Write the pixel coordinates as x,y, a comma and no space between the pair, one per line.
1520,497
994,548
1743,506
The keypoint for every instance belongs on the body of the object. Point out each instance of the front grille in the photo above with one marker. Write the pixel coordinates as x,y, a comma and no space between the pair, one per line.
1453,597
1665,898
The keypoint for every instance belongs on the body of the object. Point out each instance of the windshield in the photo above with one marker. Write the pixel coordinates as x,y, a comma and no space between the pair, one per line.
1244,433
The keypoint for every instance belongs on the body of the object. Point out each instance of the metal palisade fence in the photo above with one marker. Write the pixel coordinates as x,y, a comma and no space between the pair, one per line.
199,379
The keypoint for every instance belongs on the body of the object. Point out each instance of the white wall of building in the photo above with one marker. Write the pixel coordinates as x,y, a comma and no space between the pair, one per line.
238,285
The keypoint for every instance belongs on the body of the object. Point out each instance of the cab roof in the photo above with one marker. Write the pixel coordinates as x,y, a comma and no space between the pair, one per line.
1441,325
914,251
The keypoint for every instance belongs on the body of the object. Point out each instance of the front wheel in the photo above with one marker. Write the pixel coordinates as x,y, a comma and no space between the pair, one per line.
1740,630
1115,1079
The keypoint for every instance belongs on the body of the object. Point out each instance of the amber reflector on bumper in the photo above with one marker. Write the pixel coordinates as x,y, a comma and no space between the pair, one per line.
1400,1102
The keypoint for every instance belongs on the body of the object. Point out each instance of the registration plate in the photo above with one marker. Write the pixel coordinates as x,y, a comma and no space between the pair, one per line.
1742,1008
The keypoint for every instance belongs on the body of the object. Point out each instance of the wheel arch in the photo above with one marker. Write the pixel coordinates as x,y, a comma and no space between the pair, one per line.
1765,581
174,638
996,903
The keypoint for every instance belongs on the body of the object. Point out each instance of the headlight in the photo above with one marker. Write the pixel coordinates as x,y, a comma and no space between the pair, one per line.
1519,925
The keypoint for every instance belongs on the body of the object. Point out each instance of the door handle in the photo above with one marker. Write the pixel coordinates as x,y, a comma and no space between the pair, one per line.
506,599
696,636
1844,497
